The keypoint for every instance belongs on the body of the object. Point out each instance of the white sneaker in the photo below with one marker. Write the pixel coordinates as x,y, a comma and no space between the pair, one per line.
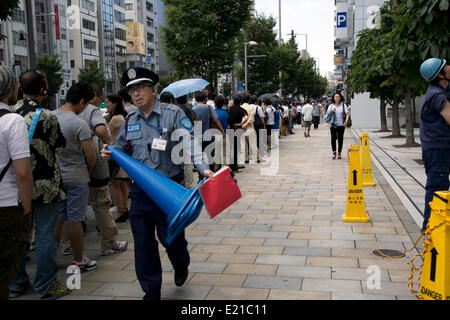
119,246
67,251
86,264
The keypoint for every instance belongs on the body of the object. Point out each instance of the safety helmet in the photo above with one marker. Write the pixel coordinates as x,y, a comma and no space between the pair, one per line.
430,68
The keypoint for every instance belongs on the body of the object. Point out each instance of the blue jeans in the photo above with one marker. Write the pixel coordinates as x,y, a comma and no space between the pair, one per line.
437,169
45,218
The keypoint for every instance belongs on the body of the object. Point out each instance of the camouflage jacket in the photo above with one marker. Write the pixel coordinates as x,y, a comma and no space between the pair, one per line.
48,141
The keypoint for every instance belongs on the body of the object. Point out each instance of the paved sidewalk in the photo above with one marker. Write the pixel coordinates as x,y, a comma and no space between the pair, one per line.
284,239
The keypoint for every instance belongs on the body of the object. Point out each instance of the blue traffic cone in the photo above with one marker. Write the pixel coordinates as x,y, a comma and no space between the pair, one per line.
182,206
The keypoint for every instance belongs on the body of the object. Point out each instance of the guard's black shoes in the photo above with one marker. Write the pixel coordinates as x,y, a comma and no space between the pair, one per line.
181,276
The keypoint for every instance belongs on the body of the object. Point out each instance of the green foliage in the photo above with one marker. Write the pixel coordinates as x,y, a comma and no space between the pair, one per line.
262,73
52,68
298,76
201,35
386,62
6,11
7,8
92,73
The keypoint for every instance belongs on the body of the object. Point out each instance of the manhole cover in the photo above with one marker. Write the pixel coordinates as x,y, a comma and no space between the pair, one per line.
388,252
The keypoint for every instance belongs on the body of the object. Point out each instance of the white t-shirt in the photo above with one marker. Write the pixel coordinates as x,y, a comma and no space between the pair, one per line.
307,112
13,145
270,116
285,111
340,116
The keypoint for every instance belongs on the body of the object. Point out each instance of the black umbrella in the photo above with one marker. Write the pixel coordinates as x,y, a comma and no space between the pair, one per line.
271,97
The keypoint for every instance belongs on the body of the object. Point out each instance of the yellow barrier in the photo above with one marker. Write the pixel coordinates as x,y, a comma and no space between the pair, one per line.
356,209
435,278
366,162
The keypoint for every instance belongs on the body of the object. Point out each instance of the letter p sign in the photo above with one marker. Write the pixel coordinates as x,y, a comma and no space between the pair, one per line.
341,20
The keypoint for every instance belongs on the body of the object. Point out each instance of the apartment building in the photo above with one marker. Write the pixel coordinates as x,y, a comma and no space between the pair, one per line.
84,38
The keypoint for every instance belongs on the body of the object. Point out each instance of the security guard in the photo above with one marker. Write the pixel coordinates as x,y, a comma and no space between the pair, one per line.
146,136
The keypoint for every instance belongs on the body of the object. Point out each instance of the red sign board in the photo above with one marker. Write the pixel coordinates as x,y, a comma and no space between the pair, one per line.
57,21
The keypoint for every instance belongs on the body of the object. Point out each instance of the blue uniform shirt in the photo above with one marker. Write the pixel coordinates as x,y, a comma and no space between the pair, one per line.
434,131
139,132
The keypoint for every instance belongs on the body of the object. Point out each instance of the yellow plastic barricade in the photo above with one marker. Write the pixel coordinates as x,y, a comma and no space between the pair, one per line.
356,209
366,162
435,279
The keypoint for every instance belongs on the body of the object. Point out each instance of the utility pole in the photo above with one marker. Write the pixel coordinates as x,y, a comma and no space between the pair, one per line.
30,31
279,43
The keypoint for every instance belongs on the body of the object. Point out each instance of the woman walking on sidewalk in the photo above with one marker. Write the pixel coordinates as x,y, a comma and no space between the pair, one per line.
337,115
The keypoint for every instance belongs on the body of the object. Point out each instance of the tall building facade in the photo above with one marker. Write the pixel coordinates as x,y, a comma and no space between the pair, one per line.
37,28
84,37
14,50
142,42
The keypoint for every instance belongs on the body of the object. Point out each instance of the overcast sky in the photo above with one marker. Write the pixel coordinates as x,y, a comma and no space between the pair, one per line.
313,17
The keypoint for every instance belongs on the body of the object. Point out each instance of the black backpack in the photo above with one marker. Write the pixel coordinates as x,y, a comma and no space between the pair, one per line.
258,122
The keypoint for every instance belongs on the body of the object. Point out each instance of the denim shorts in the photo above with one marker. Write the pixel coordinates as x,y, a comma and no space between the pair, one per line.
75,205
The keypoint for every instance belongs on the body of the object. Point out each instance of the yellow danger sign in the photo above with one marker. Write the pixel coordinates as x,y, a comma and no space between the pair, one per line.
366,161
435,281
356,209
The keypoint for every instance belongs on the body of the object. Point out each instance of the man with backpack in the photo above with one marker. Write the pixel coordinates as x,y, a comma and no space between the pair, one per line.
48,194
16,183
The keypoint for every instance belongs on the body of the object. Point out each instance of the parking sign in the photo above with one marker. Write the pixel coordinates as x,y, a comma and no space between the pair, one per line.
341,20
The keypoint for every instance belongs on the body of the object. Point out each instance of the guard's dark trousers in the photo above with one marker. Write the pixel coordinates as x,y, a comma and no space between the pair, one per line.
145,218
437,169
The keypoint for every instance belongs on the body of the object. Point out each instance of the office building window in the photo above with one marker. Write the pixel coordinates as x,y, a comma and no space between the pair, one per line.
2,54
62,10
119,17
129,6
121,34
121,50
149,6
19,38
63,33
120,3
87,4
91,45
18,15
64,56
71,43
150,37
72,64
149,22
20,61
88,24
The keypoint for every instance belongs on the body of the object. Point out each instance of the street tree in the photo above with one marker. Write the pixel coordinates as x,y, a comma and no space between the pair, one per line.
52,68
365,74
201,35
417,34
262,73
91,73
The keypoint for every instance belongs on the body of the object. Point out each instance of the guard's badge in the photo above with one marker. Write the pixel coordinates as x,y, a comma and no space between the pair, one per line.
131,74
186,123
134,127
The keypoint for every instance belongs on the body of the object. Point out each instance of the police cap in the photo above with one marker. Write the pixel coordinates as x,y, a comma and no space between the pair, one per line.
136,75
